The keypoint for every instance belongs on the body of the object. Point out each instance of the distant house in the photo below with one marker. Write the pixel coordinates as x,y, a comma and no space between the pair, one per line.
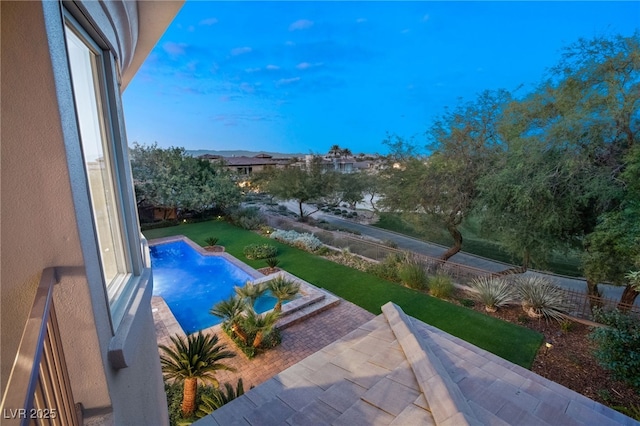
244,166
348,164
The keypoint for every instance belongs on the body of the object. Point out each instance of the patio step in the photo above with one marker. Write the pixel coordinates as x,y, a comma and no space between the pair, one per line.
325,302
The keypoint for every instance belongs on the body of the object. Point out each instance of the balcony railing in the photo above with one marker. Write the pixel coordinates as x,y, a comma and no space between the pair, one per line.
39,391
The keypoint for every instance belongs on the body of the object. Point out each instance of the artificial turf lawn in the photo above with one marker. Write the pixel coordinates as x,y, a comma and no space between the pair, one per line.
512,342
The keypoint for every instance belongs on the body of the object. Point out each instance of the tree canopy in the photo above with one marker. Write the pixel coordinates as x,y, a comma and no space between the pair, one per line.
443,186
564,150
170,178
301,184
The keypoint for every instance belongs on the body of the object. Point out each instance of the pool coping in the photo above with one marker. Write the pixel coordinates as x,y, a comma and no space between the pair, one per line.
313,300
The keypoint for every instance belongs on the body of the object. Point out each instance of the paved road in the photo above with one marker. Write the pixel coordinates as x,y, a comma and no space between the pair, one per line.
435,250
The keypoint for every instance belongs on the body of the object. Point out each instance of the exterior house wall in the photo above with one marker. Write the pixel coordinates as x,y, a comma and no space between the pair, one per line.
46,218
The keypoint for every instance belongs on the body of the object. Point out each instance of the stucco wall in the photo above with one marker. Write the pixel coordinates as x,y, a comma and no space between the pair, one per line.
45,221
38,221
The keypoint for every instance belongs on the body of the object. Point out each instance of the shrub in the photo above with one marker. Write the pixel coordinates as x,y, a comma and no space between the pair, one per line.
390,243
304,241
248,218
493,292
259,251
469,303
618,345
411,273
346,258
440,286
388,268
540,298
566,325
157,225
211,241
218,398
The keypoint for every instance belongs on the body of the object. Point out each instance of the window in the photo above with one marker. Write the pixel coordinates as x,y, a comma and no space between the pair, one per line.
88,74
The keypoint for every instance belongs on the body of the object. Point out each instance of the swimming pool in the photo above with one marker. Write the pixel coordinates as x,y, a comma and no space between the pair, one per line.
191,283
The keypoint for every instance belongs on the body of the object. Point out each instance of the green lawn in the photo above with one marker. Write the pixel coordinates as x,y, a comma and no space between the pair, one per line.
564,264
512,342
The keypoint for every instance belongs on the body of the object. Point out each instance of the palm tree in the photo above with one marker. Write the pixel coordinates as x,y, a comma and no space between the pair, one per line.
334,151
250,292
283,290
261,324
196,357
346,152
231,311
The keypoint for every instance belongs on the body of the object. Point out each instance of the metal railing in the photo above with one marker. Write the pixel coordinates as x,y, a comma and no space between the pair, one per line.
39,390
582,304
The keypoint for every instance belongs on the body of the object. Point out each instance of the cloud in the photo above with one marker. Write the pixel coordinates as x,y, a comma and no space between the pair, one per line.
406,31
307,65
252,70
208,21
191,65
228,98
273,67
247,87
175,49
233,119
289,43
240,50
287,81
301,24
361,20
425,18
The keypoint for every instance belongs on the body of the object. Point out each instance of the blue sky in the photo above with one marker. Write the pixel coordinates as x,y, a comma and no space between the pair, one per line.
302,76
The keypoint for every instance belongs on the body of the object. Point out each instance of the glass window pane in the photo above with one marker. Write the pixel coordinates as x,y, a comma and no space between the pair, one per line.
98,163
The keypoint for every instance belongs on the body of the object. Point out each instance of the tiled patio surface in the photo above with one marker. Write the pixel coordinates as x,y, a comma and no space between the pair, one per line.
298,341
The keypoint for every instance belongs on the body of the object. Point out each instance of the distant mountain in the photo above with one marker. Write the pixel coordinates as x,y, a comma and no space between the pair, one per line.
240,153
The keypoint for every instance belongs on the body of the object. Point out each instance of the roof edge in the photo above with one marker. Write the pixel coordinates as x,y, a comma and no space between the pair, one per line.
447,403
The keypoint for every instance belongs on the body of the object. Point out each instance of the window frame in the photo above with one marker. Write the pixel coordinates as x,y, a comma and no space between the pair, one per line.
107,86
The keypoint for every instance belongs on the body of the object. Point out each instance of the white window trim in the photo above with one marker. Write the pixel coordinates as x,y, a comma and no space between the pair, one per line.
135,286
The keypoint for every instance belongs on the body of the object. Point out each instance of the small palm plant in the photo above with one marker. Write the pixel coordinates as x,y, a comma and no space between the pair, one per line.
283,290
231,311
211,241
219,398
493,292
192,358
272,262
260,324
251,292
540,298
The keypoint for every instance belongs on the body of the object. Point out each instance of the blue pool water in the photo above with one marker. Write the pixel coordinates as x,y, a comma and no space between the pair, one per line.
191,284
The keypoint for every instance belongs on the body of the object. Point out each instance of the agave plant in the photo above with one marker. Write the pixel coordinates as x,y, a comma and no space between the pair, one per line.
250,292
493,292
260,324
283,290
192,358
231,311
540,298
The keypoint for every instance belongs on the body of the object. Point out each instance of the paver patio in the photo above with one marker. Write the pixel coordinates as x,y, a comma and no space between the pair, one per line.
298,341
